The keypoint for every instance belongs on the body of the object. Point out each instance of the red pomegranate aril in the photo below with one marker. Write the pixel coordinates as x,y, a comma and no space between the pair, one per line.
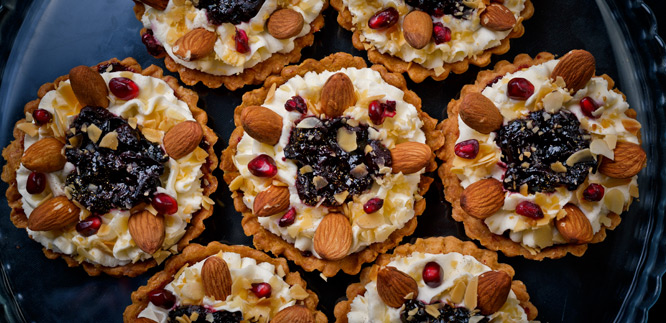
41,116
438,12
432,274
373,205
529,209
288,218
519,89
164,204
36,183
593,193
467,149
378,111
261,290
384,19
123,88
262,166
153,46
242,42
162,298
441,33
588,106
296,103
89,226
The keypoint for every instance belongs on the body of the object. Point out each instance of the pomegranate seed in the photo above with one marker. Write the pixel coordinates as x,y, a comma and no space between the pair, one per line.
529,209
432,274
384,19
373,205
89,226
593,193
288,218
467,149
296,103
164,204
378,111
261,290
262,166
123,88
438,12
162,298
441,33
520,89
36,183
41,116
153,46
588,106
242,44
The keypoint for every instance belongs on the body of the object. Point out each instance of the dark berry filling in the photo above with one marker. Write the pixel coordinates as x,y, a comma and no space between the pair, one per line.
203,317
326,169
532,145
114,67
438,8
105,178
414,312
233,11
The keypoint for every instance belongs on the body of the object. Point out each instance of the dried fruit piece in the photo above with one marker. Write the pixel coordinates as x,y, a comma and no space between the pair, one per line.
89,225
417,29
384,19
216,278
593,193
529,209
89,87
432,274
393,286
262,124
44,156
36,183
147,230
467,149
492,291
483,198
182,139
410,157
296,103
333,237
273,200
53,214
479,113
337,95
497,17
574,226
285,23
576,69
242,42
294,314
519,88
629,160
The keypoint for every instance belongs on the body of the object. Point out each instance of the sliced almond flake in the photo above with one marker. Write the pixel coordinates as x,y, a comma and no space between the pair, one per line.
207,202
359,171
600,147
297,292
151,209
605,221
524,190
631,125
369,221
278,183
413,311
160,256
611,140
470,292
194,316
110,140
614,201
271,93
458,291
341,196
319,182
152,135
633,191
410,295
94,133
561,215
30,129
346,139
132,122
558,167
306,169
28,117
323,277
559,81
553,101
309,123
476,4
367,149
432,309
580,156
439,70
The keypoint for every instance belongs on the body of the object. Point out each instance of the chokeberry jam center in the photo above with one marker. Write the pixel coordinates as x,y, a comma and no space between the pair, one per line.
438,8
203,315
233,11
414,312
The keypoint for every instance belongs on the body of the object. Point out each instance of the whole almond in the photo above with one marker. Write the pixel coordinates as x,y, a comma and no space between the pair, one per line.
410,157
273,200
497,17
417,29
337,95
157,4
89,87
393,286
483,198
196,44
285,23
576,69
44,156
54,214
479,113
492,291
147,230
333,237
262,124
575,227
216,278
629,160
182,139
294,314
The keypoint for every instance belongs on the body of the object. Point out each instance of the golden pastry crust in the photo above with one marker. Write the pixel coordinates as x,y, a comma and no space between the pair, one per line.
249,76
438,245
264,239
417,72
195,253
14,151
476,228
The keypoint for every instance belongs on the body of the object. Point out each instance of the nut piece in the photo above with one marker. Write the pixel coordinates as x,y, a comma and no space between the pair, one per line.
262,124
44,156
480,114
629,160
285,23
497,17
89,87
196,44
271,201
337,95
492,291
410,157
157,4
575,227
576,68
216,278
393,286
333,237
147,230
54,214
483,198
182,139
417,29
294,314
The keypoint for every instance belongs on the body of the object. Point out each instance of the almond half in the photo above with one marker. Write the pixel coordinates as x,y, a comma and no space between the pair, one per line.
629,160
262,124
410,157
44,156
574,226
183,139
337,95
417,29
285,23
393,286
576,69
54,214
483,198
492,291
497,17
157,4
147,230
197,43
294,314
216,278
479,113
333,237
89,87
273,200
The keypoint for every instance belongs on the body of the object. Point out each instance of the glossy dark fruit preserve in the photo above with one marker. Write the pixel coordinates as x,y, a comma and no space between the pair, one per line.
218,317
438,8
547,138
233,11
447,314
105,179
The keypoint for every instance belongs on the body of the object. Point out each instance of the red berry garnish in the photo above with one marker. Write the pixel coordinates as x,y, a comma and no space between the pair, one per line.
378,111
593,193
520,89
153,46
123,88
89,226
36,183
438,12
164,204
373,205
432,274
495,80
261,290
288,218
467,149
384,19
162,298
262,166
587,106
41,116
242,42
296,103
529,209
441,33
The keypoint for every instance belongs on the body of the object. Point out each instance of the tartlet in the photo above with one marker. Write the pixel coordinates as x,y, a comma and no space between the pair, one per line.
111,168
307,156
435,277
227,284
541,156
235,43
427,38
